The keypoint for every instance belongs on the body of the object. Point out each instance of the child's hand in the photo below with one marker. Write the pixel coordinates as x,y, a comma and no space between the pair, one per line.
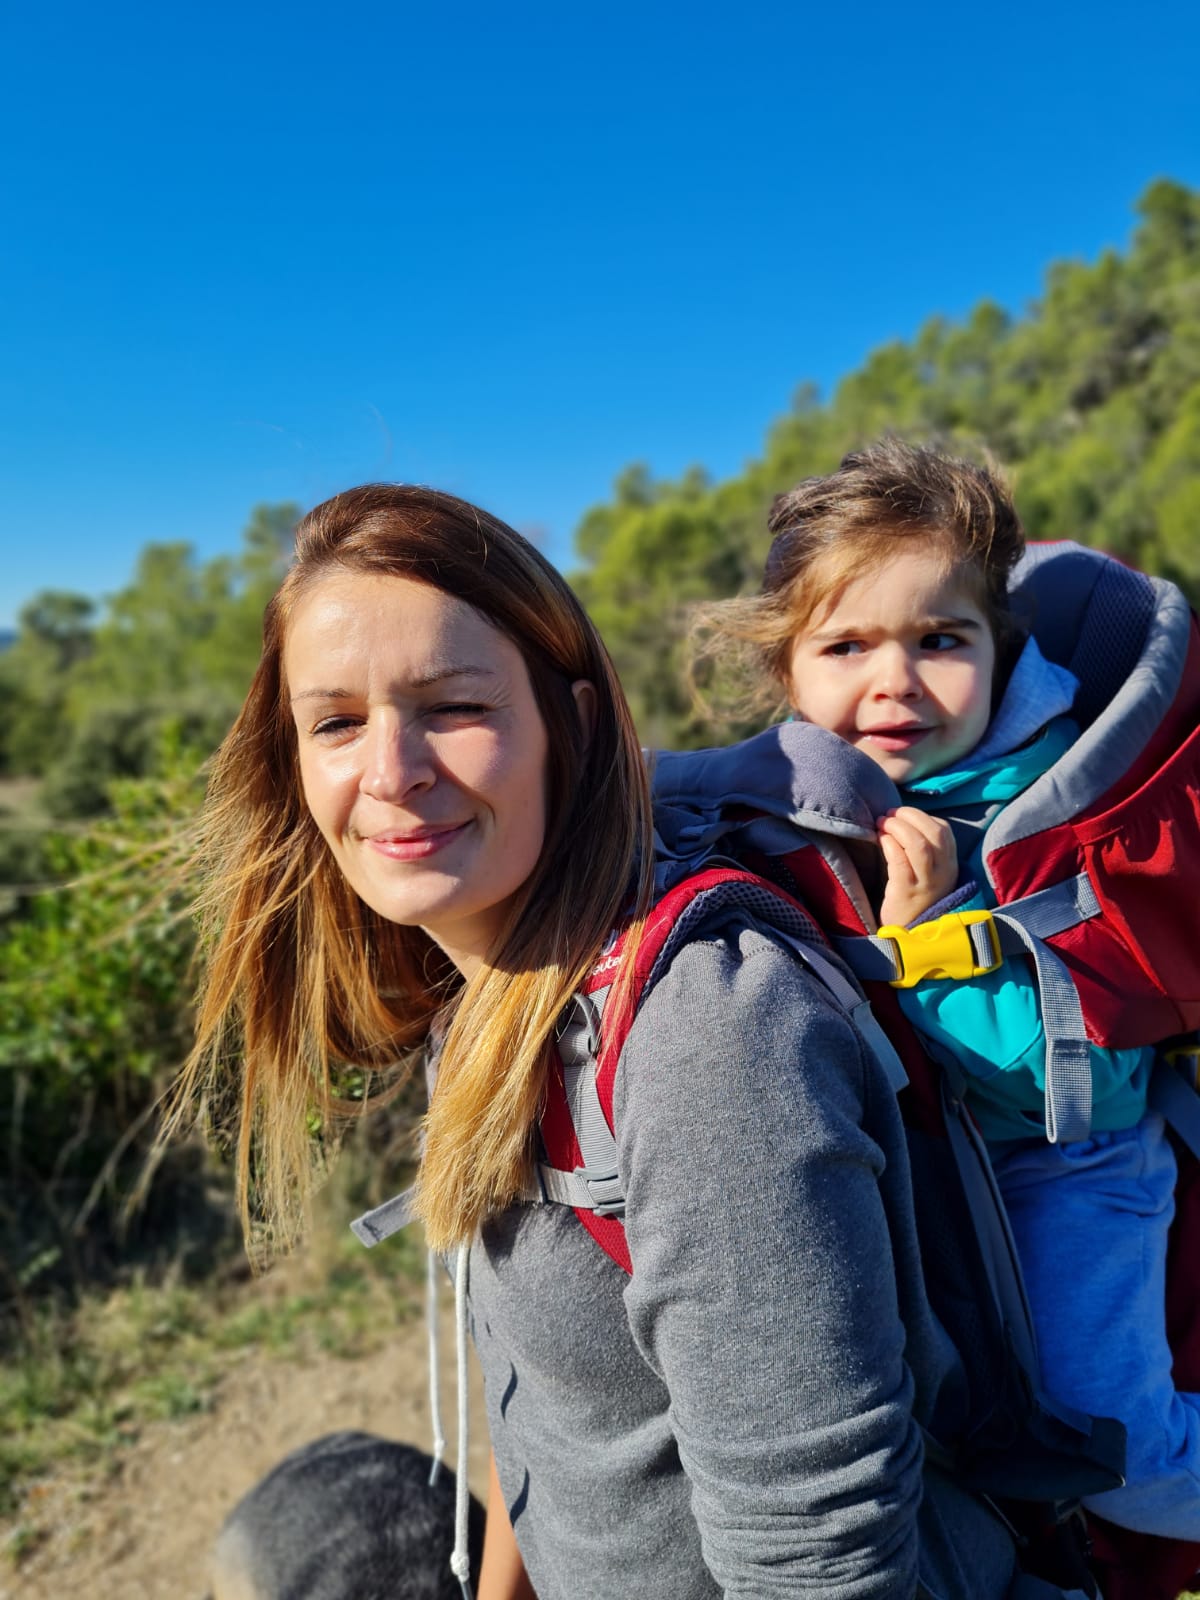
921,861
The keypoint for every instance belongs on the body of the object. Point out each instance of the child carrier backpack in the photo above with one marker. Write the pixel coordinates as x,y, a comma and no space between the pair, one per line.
1095,871
995,1432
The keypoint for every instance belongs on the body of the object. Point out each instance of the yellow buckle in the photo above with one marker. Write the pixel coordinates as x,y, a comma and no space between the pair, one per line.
1185,1058
940,949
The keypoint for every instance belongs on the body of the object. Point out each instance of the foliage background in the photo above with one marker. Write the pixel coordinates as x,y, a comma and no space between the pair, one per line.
1090,399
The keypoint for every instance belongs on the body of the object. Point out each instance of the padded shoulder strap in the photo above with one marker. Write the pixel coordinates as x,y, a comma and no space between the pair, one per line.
594,1184
580,1169
853,1002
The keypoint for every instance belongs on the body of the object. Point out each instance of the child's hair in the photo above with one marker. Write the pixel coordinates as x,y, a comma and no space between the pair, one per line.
828,531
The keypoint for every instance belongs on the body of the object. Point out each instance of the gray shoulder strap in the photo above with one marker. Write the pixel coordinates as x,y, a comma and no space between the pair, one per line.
595,1185
382,1221
852,1001
1022,927
1031,922
378,1224
1173,1094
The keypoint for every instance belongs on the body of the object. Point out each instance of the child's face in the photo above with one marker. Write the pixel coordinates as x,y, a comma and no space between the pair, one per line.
900,666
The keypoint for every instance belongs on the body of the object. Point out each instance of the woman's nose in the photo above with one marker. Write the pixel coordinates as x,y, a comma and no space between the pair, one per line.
397,761
897,678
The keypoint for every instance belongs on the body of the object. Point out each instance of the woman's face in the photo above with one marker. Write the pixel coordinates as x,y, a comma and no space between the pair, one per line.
422,753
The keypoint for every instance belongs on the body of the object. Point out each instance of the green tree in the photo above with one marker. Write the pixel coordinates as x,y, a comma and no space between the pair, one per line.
1172,486
54,637
93,701
1089,399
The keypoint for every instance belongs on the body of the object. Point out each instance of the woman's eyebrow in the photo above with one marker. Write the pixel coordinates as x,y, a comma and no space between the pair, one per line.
423,680
438,673
322,694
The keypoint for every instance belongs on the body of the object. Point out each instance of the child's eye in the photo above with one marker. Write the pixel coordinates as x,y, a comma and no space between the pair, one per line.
845,647
940,641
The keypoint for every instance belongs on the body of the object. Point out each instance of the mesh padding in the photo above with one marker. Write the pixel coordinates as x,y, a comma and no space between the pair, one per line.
760,905
1089,613
1112,638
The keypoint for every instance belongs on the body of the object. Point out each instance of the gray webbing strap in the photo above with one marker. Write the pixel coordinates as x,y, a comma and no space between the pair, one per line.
1046,912
1177,1101
562,1188
1040,914
879,1044
871,958
852,1002
579,1050
1061,906
596,1185
604,1193
990,1223
1023,925
380,1223
1068,1053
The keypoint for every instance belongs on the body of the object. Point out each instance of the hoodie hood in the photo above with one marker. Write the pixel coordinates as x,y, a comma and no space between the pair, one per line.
790,785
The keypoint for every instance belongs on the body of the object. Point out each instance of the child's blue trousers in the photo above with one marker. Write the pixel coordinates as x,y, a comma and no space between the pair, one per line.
1090,1221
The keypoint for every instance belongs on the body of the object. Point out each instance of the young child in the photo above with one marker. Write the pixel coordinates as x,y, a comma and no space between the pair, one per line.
888,587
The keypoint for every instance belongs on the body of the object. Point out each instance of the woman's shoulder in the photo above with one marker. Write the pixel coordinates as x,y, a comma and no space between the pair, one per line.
745,965
732,1007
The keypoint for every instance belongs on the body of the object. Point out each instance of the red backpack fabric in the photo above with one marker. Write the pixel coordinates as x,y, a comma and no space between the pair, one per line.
559,1135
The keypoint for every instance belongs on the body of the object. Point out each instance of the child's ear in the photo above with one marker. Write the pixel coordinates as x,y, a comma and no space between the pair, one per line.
585,705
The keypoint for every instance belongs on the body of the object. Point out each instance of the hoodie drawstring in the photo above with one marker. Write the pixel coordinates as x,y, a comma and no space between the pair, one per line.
460,1559
460,1556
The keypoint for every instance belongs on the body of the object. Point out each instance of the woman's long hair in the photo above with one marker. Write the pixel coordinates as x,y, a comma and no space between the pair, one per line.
301,977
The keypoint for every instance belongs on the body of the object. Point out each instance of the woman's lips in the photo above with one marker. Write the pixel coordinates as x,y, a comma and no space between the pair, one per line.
896,739
416,846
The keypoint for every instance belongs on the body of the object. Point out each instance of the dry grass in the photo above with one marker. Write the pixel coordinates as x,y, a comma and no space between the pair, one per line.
81,1384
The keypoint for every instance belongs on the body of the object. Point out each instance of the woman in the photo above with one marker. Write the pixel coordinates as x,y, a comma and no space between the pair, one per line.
429,815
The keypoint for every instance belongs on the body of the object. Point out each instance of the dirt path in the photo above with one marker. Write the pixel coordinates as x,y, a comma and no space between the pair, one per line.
146,1532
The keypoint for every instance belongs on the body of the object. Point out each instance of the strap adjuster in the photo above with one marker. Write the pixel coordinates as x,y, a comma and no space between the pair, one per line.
606,1190
953,946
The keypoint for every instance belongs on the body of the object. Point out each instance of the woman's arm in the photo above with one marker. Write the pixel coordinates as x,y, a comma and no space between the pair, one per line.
502,1575
764,1158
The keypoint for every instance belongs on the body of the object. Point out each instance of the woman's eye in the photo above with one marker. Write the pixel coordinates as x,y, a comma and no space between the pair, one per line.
329,726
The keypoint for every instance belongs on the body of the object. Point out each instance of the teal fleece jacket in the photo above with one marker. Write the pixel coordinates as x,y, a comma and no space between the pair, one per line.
992,1026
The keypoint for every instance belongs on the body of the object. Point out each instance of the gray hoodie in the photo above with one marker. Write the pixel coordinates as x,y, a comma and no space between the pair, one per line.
742,1416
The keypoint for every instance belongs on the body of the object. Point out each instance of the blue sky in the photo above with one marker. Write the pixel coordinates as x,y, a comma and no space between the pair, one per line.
254,253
